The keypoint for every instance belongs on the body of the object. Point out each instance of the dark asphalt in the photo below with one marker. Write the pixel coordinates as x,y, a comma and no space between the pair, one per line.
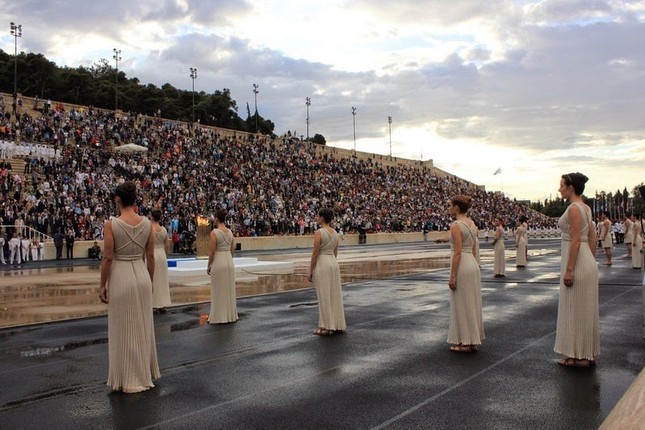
391,370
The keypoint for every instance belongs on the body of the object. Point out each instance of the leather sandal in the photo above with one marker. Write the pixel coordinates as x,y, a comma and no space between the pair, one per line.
462,348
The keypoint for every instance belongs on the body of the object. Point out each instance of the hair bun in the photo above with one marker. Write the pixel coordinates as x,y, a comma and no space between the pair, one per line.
464,202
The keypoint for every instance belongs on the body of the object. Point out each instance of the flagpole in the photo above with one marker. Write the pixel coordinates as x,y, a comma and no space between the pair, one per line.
501,177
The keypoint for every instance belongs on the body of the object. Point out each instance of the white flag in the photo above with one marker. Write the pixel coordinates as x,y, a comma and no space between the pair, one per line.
498,171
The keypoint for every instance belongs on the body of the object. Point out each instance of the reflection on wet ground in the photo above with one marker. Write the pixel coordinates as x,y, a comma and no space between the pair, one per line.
398,332
47,351
33,295
354,271
50,297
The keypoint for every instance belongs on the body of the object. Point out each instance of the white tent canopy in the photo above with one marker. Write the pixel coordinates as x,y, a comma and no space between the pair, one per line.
131,147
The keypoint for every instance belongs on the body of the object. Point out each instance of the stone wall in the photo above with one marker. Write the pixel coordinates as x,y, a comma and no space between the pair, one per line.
276,242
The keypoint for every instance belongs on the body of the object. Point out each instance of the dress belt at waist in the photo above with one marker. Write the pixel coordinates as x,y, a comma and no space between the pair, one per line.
568,239
128,257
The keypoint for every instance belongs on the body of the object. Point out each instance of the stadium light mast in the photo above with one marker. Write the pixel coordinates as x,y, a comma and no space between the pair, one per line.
16,32
389,123
354,123
255,93
117,58
307,103
193,76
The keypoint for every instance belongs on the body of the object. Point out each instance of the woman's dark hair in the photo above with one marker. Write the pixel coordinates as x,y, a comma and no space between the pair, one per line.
577,181
127,192
523,219
327,214
221,215
156,215
462,202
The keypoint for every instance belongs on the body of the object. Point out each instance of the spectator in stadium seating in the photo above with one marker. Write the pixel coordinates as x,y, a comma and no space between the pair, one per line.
25,245
59,239
279,195
3,242
70,237
95,252
14,249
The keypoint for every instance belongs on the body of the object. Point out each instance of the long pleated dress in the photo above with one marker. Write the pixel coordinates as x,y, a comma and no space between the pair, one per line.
499,263
629,231
578,332
131,336
637,245
223,301
466,322
326,280
160,284
606,242
521,242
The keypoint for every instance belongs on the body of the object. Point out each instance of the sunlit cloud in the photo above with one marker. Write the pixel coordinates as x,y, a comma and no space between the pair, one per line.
536,88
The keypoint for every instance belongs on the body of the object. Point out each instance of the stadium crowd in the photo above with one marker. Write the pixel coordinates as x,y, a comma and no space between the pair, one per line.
268,186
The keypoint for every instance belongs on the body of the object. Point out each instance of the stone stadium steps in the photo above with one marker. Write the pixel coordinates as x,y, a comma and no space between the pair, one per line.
27,108
17,165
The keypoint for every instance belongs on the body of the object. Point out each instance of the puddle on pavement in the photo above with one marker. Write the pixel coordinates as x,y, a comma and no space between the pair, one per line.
36,295
47,351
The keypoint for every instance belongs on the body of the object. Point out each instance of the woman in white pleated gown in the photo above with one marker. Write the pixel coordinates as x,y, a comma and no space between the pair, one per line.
578,332
222,272
628,227
605,237
126,285
324,272
160,284
466,329
499,261
637,243
521,243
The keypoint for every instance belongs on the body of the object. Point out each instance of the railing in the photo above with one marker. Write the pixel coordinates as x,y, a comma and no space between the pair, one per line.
28,232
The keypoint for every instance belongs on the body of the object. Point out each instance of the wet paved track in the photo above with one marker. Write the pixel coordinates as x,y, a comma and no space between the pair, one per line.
391,370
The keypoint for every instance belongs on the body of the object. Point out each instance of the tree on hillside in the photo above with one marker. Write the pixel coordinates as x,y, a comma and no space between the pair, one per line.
6,72
95,86
38,75
555,208
75,84
264,126
319,139
638,205
537,206
224,111
102,69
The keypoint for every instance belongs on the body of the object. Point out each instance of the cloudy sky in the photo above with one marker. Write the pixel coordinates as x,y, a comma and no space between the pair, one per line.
536,88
